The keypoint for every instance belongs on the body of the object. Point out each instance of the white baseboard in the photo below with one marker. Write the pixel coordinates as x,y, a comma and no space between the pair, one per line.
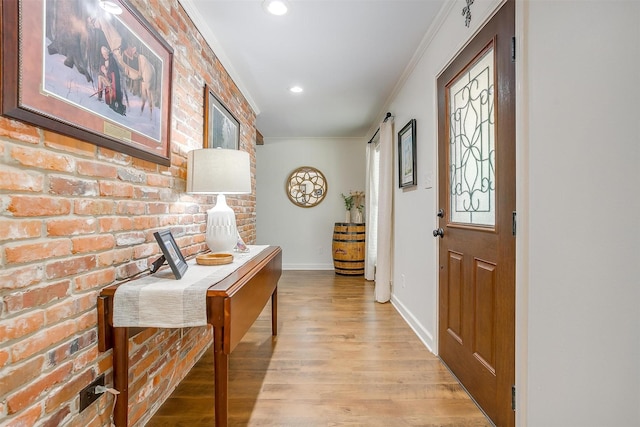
307,266
421,332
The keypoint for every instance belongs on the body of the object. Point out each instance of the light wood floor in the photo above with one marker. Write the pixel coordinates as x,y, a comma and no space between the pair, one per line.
340,359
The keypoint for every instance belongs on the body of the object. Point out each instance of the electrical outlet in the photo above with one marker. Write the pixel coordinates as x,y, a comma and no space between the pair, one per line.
88,394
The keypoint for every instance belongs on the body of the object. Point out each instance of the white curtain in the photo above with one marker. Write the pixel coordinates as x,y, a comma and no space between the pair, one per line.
384,251
371,209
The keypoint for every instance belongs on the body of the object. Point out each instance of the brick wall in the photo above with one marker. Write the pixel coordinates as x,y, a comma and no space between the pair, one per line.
75,218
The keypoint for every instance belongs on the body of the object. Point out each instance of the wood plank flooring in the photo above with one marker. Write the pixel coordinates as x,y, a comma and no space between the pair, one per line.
340,359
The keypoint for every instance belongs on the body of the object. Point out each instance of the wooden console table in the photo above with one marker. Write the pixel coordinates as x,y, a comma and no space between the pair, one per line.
233,305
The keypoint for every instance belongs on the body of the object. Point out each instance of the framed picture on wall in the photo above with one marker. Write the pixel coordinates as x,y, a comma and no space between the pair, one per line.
407,155
93,70
221,128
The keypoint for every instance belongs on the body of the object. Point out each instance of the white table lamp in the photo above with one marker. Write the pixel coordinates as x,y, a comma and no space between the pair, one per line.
219,171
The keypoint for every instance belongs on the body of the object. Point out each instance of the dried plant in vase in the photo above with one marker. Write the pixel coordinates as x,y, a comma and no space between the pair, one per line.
348,204
355,198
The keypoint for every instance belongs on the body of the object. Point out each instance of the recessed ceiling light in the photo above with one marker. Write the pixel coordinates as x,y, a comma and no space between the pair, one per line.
296,89
110,7
275,7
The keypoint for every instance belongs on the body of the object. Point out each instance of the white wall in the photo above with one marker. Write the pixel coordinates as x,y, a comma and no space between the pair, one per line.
305,234
582,137
415,265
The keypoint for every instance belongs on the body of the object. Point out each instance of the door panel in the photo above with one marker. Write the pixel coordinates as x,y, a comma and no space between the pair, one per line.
454,309
476,163
484,308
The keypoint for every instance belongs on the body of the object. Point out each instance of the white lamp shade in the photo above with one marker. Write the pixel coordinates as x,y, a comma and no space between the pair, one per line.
217,170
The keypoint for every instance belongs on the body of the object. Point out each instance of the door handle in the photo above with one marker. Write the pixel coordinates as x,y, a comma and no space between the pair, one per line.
438,232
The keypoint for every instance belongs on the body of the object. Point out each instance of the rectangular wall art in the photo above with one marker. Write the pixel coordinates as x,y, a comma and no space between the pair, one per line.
99,74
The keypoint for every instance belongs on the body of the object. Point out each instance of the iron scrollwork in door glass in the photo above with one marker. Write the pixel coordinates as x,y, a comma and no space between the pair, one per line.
472,144
306,187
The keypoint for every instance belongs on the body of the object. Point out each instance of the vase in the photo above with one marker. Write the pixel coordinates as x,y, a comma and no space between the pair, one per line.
358,217
347,216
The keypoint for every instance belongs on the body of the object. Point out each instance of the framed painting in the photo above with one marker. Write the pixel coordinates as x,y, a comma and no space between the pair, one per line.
221,128
93,70
407,155
170,253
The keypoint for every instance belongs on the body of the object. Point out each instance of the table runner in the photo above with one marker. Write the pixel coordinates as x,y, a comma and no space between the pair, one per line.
161,301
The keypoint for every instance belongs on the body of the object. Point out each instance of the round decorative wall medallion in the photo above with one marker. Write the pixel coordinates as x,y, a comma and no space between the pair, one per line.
306,187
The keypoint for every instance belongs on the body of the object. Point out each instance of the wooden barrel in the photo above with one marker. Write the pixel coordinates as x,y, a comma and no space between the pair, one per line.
348,248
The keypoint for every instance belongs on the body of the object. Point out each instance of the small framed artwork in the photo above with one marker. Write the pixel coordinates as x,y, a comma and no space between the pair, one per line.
407,155
93,70
171,253
221,128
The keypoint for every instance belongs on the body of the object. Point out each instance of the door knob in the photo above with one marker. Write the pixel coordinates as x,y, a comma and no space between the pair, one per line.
440,213
438,232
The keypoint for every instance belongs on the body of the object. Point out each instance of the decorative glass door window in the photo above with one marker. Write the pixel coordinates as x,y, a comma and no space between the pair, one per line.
472,144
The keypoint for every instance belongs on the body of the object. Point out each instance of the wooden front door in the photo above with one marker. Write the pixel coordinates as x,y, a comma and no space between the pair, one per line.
476,195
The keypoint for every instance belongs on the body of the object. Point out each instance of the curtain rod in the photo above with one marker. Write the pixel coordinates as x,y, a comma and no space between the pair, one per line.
378,130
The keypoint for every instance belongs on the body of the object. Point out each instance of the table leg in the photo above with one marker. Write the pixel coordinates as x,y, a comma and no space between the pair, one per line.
274,312
221,378
121,375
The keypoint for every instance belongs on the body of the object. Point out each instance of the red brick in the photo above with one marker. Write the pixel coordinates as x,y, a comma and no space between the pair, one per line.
145,165
131,238
21,326
60,311
167,221
43,339
20,180
85,359
115,224
68,349
68,144
70,267
93,207
71,227
36,297
114,156
146,193
71,186
43,386
43,159
95,279
131,269
37,251
19,131
145,222
68,391
57,419
26,418
132,175
70,307
20,277
94,243
13,378
116,189
22,206
158,208
159,181
11,229
146,250
129,207
96,169
4,357
87,320
117,256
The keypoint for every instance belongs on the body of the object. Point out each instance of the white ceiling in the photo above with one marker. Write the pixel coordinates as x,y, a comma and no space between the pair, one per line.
348,55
